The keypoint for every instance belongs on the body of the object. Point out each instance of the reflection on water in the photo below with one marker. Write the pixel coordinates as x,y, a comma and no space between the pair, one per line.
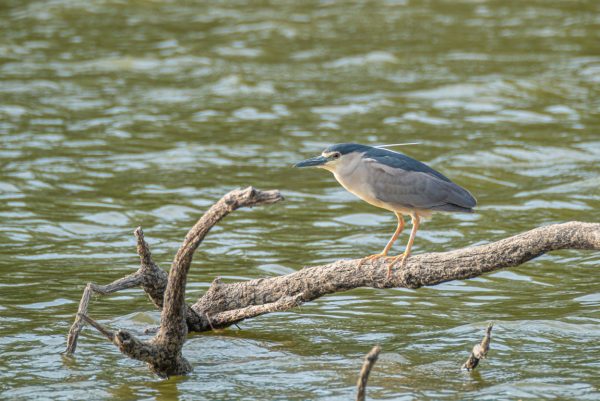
114,115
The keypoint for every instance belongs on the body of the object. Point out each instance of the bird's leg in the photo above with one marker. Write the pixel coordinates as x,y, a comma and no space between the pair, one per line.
399,229
387,248
413,233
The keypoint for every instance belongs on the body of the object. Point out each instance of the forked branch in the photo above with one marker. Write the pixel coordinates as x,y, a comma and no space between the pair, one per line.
163,353
225,304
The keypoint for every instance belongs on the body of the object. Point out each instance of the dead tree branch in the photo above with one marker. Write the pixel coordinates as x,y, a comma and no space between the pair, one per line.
480,350
225,304
153,279
421,270
370,360
163,353
149,276
133,280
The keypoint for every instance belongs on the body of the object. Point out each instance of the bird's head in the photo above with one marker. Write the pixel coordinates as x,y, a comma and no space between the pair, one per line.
335,157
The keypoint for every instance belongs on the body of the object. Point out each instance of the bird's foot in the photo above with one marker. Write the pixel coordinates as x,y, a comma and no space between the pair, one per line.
372,257
402,258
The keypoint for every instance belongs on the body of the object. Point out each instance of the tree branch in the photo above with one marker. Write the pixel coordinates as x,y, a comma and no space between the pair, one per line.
227,318
154,279
163,353
480,350
149,276
173,325
132,280
420,270
370,360
225,304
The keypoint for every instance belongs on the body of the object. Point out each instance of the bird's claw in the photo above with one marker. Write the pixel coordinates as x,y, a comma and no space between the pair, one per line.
402,258
372,257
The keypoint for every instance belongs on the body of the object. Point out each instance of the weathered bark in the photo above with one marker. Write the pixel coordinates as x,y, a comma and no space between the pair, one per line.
480,350
363,377
149,276
225,304
420,270
163,353
133,280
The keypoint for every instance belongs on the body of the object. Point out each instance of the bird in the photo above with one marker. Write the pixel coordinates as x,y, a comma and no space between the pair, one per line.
393,181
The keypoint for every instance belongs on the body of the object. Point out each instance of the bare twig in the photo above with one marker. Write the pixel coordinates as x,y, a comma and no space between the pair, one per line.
227,318
107,333
154,279
370,360
133,280
149,276
480,350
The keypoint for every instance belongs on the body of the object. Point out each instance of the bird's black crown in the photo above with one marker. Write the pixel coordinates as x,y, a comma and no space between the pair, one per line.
345,148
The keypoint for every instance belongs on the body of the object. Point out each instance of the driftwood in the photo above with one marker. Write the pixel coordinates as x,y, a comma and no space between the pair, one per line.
363,377
225,304
163,353
480,350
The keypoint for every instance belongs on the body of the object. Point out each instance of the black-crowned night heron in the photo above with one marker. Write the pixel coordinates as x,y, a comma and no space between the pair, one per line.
393,181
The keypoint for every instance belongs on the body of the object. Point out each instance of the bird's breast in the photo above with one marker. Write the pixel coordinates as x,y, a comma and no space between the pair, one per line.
357,183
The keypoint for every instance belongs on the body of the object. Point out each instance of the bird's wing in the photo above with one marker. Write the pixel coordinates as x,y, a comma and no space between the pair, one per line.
416,189
398,160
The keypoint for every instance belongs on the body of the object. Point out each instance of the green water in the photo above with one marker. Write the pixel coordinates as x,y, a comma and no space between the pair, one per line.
115,114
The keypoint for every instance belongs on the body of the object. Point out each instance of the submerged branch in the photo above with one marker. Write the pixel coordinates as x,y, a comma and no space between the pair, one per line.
370,360
163,353
480,350
132,280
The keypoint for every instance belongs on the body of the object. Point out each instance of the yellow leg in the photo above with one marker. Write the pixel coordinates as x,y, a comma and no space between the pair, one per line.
387,248
413,233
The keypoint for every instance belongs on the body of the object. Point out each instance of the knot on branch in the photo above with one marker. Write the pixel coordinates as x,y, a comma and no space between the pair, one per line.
125,341
409,279
215,285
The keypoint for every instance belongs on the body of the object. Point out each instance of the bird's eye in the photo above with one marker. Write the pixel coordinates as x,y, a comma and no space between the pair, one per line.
336,155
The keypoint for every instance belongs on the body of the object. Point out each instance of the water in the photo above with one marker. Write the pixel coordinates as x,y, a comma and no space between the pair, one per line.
116,114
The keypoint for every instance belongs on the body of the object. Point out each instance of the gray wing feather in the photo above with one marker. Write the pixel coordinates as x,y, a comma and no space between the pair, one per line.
417,189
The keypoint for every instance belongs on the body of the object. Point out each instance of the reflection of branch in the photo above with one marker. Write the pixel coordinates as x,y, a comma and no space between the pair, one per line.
480,350
370,360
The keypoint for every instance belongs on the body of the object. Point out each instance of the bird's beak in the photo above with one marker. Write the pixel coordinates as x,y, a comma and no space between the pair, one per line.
315,161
